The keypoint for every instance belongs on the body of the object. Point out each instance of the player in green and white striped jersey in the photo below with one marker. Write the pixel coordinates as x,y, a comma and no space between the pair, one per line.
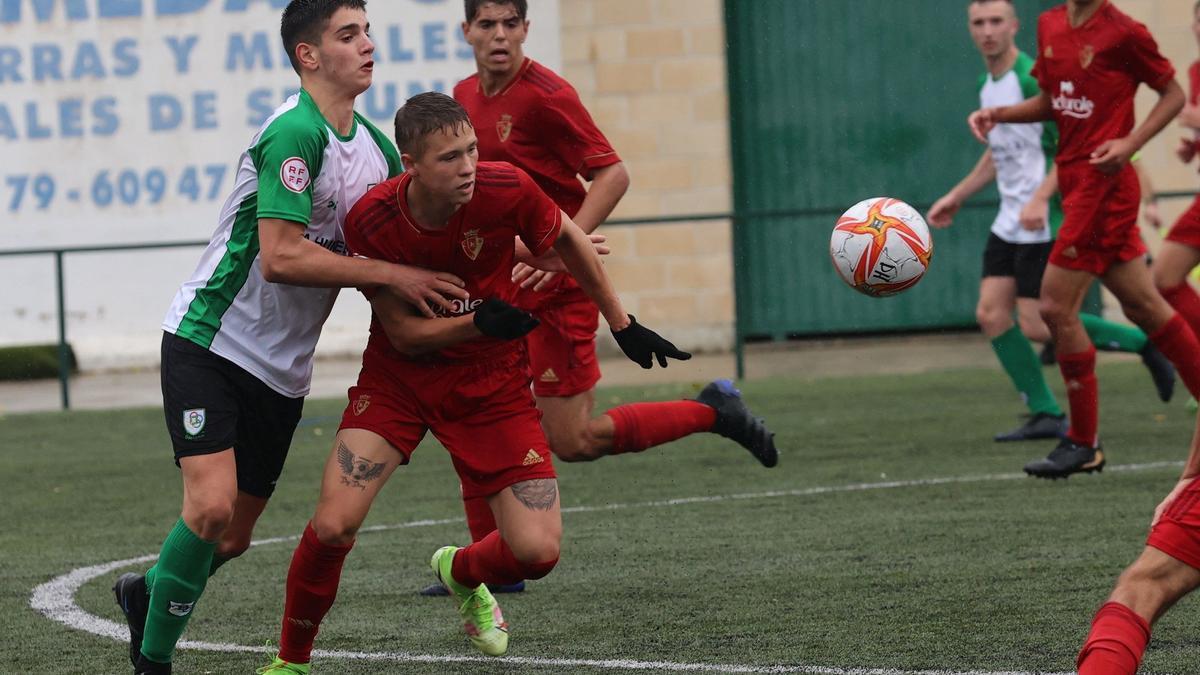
239,337
1020,158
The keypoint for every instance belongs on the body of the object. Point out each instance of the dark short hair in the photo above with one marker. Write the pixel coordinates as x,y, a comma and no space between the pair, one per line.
305,20
471,7
424,114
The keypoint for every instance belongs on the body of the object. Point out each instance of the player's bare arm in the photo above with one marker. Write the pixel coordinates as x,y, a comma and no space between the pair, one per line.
1114,154
549,262
581,260
411,333
1035,215
288,258
942,213
608,185
1034,109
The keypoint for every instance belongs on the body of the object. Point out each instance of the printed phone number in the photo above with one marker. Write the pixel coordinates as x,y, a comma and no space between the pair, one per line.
129,187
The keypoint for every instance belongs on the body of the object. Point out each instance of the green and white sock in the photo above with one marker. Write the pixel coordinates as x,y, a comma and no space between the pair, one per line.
1111,336
178,579
1021,363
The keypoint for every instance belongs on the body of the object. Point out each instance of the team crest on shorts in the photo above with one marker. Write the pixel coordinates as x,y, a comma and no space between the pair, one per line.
472,243
1086,56
361,404
504,127
193,421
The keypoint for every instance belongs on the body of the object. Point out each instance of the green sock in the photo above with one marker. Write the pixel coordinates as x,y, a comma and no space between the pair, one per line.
179,579
1025,371
217,561
1112,337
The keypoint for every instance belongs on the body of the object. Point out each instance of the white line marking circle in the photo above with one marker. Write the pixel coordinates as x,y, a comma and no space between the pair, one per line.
56,598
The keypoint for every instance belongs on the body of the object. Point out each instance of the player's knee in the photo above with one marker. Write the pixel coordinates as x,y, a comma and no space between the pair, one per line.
233,548
1143,310
992,320
335,529
1053,312
536,549
1143,588
538,570
208,518
579,447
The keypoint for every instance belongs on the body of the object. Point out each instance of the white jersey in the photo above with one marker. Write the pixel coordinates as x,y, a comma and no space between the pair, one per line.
1022,153
297,169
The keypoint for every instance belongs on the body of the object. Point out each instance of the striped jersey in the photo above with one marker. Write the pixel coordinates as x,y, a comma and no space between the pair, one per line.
1022,154
299,169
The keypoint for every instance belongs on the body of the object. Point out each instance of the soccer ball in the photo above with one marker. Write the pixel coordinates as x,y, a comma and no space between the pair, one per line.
881,246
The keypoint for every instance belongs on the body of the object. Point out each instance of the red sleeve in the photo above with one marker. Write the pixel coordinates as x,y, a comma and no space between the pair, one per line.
362,231
538,218
572,135
1143,59
1193,82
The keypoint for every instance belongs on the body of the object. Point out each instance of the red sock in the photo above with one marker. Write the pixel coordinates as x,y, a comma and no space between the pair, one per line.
1083,393
480,520
491,561
1186,301
638,426
1116,644
312,584
1178,343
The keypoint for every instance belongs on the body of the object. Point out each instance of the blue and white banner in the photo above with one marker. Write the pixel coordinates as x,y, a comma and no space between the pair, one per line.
129,115
121,122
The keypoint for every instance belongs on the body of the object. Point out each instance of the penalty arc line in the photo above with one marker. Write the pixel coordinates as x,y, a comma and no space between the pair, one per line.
55,599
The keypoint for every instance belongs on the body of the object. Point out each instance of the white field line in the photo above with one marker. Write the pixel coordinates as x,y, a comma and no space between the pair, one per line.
56,598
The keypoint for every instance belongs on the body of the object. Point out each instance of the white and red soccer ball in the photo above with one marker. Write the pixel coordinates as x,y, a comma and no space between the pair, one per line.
881,246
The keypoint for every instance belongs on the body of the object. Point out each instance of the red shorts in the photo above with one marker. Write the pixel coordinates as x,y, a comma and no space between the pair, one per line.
1186,230
1177,533
562,350
1099,219
482,412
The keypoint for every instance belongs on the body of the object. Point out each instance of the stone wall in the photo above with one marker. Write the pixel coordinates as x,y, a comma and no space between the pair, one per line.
652,72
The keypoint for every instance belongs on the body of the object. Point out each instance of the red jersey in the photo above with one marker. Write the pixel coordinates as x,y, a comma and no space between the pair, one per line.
477,245
1091,73
1194,96
538,123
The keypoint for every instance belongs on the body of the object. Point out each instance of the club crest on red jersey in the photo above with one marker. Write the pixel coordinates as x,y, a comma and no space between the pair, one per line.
1086,56
472,243
504,127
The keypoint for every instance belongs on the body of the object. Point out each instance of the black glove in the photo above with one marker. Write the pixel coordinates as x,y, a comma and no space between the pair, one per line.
496,318
642,345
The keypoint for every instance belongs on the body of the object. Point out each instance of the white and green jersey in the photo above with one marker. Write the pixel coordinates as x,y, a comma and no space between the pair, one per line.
1022,153
298,169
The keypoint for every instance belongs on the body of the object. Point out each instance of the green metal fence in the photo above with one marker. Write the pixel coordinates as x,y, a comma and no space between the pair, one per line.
832,103
744,225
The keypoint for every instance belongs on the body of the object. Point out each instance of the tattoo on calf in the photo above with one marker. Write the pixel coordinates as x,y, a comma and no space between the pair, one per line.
539,494
357,471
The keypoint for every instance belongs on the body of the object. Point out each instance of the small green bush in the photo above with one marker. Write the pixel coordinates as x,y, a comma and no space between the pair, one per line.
32,362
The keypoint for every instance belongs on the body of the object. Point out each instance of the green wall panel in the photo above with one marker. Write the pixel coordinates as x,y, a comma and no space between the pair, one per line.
832,102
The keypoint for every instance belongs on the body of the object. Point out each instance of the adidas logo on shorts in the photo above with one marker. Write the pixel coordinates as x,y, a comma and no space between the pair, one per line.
532,457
